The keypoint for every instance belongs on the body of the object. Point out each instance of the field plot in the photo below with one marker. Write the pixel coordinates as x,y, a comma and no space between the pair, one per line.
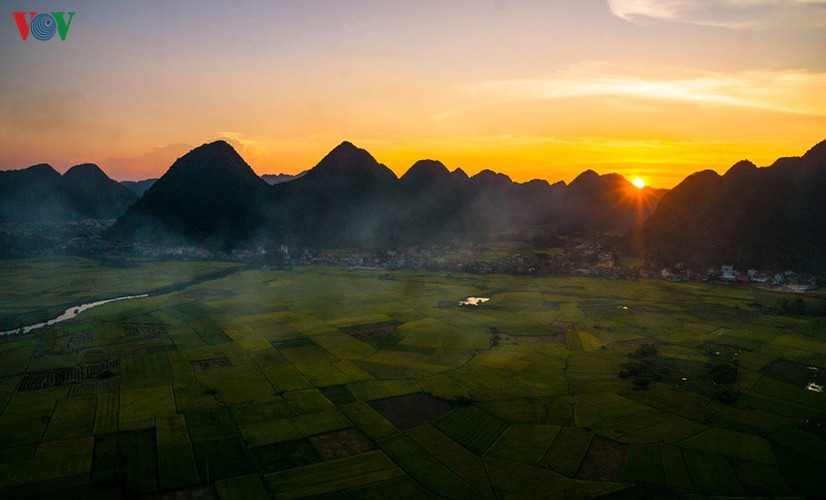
333,476
410,411
567,451
524,443
323,381
604,460
340,444
457,458
284,455
712,473
426,469
473,428
732,444
643,465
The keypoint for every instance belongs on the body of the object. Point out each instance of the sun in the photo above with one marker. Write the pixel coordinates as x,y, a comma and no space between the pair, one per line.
639,183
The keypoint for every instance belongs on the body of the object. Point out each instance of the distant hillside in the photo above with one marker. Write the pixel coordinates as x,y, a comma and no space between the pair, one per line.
757,217
40,194
606,203
349,199
89,192
209,196
432,201
750,216
138,187
273,179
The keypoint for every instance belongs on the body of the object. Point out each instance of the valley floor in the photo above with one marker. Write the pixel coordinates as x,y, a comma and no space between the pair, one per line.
324,380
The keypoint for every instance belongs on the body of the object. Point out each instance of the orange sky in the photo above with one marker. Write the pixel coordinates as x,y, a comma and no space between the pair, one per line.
530,88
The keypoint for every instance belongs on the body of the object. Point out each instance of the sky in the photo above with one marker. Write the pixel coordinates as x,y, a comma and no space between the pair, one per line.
545,89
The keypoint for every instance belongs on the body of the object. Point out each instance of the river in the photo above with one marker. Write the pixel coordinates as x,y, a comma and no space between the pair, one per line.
70,313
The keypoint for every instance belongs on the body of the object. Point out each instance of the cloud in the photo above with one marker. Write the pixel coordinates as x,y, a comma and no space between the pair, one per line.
735,14
796,92
250,148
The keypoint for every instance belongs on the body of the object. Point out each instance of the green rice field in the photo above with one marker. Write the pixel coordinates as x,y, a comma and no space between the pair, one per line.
321,381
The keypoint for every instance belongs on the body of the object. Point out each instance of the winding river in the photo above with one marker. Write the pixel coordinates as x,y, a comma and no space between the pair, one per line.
172,287
70,313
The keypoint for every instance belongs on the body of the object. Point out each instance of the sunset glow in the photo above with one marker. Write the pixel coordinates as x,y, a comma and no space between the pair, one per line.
530,88
639,183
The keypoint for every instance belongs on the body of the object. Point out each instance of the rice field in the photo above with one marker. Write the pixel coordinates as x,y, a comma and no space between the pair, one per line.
328,381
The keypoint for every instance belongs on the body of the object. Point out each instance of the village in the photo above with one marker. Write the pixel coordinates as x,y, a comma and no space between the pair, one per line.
594,257
587,258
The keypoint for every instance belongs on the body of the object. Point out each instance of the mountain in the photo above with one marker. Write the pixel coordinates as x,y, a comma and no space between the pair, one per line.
352,168
273,179
460,174
88,191
488,179
209,196
30,195
427,174
138,187
34,174
605,203
346,199
490,205
757,217
40,194
541,203
768,217
432,201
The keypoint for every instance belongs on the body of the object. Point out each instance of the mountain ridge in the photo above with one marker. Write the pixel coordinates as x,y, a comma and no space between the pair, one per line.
211,196
750,216
40,194
139,187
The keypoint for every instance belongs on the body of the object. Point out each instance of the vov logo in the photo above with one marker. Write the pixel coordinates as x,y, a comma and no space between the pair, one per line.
43,26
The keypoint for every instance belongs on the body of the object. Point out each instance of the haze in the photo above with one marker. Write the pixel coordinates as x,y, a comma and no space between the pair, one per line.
534,89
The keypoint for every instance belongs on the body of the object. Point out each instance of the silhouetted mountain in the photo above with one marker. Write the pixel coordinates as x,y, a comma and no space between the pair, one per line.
757,217
344,200
30,195
40,194
209,196
488,179
587,180
41,172
425,174
88,191
460,174
431,207
350,167
540,202
740,170
605,203
490,205
273,179
138,187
